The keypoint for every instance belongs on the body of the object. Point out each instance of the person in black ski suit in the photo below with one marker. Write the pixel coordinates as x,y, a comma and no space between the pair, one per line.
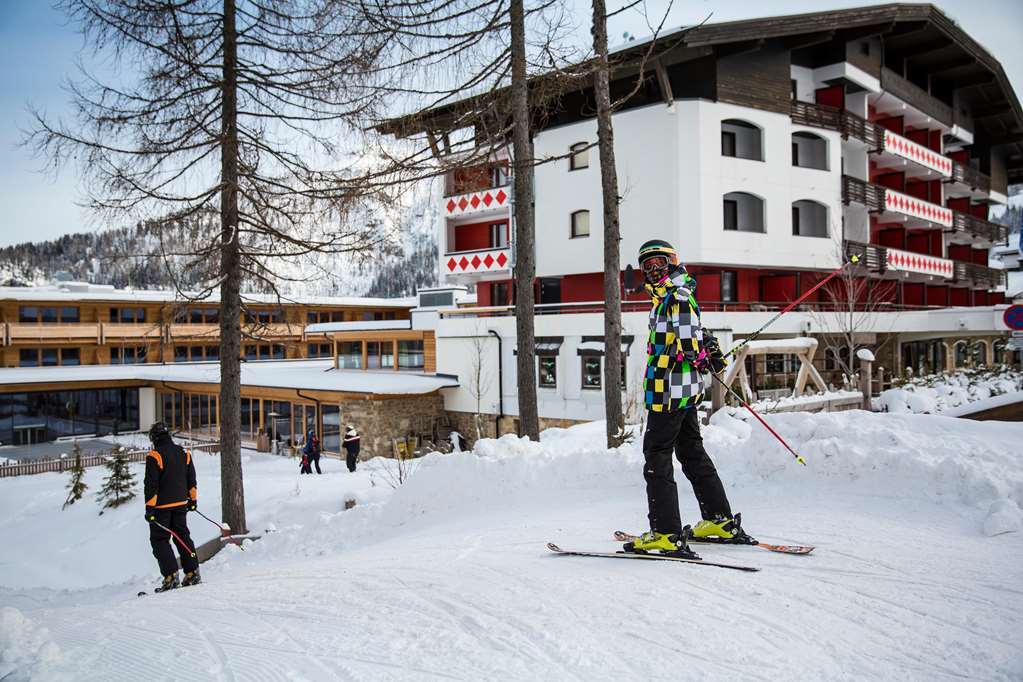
679,351
170,492
311,453
351,446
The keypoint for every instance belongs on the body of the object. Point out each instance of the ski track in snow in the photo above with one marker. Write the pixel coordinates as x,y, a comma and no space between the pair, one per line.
449,578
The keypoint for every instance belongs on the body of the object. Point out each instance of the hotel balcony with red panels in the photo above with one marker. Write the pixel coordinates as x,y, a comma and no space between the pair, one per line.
476,210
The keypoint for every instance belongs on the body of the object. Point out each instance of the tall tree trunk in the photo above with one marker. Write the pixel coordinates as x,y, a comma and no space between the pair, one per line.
612,237
231,488
525,261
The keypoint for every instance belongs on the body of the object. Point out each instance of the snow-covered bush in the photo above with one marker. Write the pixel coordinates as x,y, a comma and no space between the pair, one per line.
935,393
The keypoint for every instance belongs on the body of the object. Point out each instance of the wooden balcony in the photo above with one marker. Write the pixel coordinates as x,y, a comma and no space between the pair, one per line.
970,177
839,120
114,332
879,199
51,333
978,228
979,276
916,97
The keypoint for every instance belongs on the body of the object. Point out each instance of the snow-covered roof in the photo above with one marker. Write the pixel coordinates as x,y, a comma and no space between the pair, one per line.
78,291
358,326
314,375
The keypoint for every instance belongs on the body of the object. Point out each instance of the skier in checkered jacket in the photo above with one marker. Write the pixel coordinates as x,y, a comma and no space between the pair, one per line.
679,351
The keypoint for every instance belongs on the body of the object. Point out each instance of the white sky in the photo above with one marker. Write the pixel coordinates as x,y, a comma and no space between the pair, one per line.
38,51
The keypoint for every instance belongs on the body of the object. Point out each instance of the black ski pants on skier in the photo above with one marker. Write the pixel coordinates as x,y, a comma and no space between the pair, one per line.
351,457
177,520
678,431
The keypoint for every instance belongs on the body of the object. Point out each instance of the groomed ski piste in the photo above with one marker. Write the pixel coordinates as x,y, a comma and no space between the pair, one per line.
916,573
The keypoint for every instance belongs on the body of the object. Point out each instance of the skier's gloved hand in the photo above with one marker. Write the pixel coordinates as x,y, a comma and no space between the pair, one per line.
150,515
701,361
192,505
718,361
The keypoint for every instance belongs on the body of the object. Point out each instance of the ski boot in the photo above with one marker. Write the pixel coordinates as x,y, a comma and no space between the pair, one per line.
722,531
169,583
674,544
191,578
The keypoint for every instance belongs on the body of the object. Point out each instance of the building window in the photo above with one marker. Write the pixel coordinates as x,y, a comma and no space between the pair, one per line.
411,355
349,355
498,235
28,357
498,175
727,143
48,314
591,371
130,355
729,286
498,293
580,224
743,212
741,140
774,363
580,157
70,356
49,357
548,371
318,350
128,315
264,316
809,219
324,316
865,48
809,151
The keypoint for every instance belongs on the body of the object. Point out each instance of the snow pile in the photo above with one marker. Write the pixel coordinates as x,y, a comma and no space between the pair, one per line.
938,393
26,650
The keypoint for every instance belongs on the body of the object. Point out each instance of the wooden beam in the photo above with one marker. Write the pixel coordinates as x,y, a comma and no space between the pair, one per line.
852,34
990,109
956,62
741,47
663,82
807,39
978,79
914,51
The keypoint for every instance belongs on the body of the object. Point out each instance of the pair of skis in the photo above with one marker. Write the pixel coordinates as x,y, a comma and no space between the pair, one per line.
622,536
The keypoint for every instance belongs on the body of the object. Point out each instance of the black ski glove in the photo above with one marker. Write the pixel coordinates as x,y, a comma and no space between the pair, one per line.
150,515
717,359
192,505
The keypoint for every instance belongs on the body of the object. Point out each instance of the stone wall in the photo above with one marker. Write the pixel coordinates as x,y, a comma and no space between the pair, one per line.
378,421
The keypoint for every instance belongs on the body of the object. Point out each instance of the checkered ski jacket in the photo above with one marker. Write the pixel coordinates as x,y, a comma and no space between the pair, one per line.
671,383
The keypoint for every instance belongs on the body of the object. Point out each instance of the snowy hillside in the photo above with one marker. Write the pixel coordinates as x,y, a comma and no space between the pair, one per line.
916,575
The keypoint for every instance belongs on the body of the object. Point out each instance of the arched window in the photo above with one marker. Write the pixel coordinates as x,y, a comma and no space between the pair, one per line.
580,156
580,224
959,354
742,140
809,219
743,212
809,151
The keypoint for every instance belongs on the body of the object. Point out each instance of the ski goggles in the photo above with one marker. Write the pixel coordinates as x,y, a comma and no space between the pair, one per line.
654,263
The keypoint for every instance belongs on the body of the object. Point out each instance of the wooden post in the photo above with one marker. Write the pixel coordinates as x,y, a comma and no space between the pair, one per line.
866,382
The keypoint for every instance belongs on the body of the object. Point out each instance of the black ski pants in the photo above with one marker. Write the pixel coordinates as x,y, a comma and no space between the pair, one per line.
678,431
315,459
351,457
175,519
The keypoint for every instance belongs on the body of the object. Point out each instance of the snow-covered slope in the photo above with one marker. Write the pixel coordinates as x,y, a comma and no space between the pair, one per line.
915,576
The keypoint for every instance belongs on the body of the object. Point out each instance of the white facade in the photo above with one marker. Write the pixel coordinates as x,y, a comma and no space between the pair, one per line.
673,178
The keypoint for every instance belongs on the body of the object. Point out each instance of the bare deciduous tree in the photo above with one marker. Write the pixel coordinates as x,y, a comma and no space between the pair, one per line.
236,112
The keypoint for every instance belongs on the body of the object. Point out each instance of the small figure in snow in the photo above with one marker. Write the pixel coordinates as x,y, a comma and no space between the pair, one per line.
679,350
170,491
351,446
311,453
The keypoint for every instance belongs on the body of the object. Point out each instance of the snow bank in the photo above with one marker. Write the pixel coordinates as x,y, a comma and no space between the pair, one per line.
939,393
26,650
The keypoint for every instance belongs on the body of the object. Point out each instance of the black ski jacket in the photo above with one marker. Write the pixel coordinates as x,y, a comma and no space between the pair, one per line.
170,476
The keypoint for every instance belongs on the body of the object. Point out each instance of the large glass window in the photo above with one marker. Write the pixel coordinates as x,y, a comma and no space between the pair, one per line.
548,371
48,314
742,140
330,440
743,212
591,371
27,418
319,350
28,357
411,355
69,314
349,355
49,357
70,356
729,286
28,313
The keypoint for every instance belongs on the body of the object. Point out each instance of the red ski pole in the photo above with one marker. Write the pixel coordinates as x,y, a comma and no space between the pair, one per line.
759,418
177,537
225,531
790,306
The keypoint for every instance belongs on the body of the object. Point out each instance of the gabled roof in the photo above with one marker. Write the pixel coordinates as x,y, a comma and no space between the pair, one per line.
921,32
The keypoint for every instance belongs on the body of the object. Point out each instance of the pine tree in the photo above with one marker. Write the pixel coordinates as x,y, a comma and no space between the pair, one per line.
118,487
76,486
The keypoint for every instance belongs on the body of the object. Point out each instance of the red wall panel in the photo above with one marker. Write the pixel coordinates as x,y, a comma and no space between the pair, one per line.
979,256
979,297
958,296
892,123
960,252
937,295
912,293
582,288
896,181
979,210
474,236
831,97
778,288
995,297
